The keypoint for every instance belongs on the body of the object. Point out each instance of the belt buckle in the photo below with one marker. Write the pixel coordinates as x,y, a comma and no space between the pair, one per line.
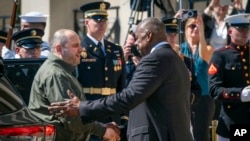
106,91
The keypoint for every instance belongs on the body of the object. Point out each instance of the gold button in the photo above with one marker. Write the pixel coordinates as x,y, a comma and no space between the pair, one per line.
89,67
226,94
238,47
244,60
233,68
241,53
106,68
106,78
238,95
248,81
232,94
228,106
246,74
245,67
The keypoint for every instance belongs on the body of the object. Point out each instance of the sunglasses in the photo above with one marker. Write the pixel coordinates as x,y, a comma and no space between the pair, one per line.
192,26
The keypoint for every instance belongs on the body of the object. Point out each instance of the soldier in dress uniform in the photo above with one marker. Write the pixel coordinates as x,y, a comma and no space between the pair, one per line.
27,45
230,78
33,19
102,68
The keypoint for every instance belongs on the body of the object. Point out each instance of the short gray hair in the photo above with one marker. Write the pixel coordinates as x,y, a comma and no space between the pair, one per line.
59,37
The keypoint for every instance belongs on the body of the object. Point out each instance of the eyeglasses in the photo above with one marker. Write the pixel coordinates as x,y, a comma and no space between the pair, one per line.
192,26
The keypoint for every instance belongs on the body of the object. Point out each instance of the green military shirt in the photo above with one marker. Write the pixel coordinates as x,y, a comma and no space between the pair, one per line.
50,84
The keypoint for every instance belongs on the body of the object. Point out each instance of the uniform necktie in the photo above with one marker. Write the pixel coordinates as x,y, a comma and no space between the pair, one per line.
99,50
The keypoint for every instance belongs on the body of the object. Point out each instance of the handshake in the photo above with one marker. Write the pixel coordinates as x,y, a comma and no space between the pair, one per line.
245,94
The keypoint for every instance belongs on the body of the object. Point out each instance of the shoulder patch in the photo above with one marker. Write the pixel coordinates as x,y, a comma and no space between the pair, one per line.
212,69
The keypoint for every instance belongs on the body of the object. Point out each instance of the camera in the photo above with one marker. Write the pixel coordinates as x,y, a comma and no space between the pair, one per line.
189,14
135,51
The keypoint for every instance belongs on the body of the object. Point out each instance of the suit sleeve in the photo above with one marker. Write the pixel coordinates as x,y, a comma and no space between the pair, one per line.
217,89
148,72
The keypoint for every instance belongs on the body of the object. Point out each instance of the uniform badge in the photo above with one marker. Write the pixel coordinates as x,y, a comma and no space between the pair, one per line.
33,32
174,21
84,54
108,50
102,6
212,69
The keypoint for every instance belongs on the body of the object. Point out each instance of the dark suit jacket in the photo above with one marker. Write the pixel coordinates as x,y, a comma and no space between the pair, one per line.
157,97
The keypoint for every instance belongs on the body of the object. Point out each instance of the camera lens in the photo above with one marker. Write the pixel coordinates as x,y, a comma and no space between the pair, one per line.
190,13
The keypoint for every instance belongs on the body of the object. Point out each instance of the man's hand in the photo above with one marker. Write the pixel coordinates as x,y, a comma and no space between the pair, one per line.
136,60
112,132
69,107
127,52
245,94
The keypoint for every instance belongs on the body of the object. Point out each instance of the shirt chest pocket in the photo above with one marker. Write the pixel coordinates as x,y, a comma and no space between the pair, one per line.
233,70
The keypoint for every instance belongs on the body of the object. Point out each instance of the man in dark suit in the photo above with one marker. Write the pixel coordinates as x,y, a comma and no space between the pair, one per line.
102,68
158,96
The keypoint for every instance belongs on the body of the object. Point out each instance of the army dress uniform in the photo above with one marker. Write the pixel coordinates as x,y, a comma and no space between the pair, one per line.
101,75
102,68
229,74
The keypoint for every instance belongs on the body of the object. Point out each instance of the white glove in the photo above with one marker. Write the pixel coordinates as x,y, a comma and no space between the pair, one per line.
245,94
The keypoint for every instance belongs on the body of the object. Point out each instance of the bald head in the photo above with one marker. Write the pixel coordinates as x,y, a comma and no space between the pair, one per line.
61,37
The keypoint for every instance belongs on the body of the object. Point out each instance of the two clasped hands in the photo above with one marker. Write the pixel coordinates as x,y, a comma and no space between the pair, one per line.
70,108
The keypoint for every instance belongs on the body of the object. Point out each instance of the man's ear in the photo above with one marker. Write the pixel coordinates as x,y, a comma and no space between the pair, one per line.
229,31
58,48
17,49
149,36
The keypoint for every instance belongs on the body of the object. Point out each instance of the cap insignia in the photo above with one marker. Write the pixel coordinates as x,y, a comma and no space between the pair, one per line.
33,32
102,6
174,21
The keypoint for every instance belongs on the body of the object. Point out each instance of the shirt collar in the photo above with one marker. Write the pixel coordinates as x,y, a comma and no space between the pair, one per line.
94,40
158,45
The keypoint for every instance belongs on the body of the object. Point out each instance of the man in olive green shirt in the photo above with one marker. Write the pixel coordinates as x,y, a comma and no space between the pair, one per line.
51,83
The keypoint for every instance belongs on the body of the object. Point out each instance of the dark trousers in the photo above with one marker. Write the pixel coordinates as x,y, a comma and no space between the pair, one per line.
202,115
